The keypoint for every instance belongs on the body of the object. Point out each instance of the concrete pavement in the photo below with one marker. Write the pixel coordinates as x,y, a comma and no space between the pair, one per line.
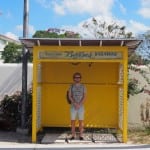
13,141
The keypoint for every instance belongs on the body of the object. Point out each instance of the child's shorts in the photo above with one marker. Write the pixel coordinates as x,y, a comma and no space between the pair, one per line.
77,113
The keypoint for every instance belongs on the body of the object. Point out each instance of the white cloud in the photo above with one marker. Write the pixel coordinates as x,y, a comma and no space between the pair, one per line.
78,6
122,8
31,29
137,27
145,12
11,35
19,27
92,7
131,26
8,15
145,9
85,33
44,3
59,9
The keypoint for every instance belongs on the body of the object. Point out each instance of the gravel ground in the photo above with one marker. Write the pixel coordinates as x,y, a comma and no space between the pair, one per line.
9,136
139,137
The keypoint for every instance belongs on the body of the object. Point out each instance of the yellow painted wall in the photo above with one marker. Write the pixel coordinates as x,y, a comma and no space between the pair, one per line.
100,78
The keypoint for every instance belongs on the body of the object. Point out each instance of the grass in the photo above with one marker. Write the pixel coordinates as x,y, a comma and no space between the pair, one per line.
139,136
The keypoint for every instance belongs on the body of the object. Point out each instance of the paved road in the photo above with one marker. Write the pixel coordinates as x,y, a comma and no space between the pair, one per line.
25,146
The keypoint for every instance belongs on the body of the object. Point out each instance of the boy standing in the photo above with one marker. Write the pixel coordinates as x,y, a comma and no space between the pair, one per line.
77,95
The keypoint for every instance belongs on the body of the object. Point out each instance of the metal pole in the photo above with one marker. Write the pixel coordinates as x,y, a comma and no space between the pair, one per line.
24,66
25,18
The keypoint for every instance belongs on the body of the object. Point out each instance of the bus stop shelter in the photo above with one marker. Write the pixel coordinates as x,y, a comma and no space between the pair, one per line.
103,64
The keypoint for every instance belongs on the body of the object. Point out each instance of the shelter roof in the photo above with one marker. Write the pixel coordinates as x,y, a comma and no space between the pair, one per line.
29,43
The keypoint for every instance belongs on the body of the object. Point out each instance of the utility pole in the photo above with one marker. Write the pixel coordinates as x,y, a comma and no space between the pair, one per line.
24,65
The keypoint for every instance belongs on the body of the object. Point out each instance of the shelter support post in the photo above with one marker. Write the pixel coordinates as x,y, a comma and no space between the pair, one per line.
34,105
125,100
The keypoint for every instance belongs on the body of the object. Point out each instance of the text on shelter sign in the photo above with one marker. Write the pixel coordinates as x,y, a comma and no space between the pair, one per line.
79,55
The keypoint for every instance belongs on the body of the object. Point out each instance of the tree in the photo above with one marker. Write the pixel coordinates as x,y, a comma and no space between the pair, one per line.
45,34
12,53
55,33
144,48
134,58
100,29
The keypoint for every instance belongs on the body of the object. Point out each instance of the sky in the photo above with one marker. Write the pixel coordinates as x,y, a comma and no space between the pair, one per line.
71,14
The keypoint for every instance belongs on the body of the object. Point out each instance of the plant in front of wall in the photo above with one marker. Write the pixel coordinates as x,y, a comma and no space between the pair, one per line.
133,87
10,108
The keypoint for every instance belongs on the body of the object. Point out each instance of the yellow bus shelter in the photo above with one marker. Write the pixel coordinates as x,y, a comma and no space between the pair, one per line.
103,64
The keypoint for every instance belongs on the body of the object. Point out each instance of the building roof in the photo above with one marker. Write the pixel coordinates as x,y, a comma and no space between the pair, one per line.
132,44
5,38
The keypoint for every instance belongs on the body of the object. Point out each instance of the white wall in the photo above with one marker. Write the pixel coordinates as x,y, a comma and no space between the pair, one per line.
11,78
2,46
139,104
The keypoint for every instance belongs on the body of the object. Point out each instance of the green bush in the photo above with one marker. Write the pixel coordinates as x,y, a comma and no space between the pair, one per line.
133,87
11,110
